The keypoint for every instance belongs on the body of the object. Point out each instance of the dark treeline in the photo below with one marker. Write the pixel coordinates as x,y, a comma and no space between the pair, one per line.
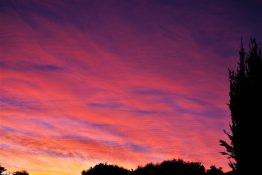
168,167
172,167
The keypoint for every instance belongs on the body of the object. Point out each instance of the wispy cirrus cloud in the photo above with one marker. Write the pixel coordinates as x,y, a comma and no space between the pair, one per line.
27,66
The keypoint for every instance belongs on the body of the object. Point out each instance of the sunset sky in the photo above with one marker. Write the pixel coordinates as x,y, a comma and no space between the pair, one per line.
120,81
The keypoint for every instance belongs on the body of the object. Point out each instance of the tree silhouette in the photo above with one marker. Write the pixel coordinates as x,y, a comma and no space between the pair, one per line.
170,167
23,172
2,170
105,169
245,106
214,171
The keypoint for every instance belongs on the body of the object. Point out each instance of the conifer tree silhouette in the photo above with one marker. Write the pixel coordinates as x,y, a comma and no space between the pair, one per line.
246,110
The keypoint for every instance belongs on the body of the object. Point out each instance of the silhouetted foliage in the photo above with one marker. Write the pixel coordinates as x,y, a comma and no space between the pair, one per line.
182,167
246,109
230,173
105,169
2,170
173,167
214,171
20,173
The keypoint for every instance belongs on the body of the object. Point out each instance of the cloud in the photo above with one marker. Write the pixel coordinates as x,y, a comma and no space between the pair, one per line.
147,91
27,66
47,67
8,129
45,124
124,108
138,148
8,102
109,105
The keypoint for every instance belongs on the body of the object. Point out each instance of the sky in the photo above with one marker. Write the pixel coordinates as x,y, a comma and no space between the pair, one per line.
123,82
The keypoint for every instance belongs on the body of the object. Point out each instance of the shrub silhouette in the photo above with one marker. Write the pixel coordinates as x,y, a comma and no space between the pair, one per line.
23,172
2,170
105,169
181,167
169,167
245,106
214,171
